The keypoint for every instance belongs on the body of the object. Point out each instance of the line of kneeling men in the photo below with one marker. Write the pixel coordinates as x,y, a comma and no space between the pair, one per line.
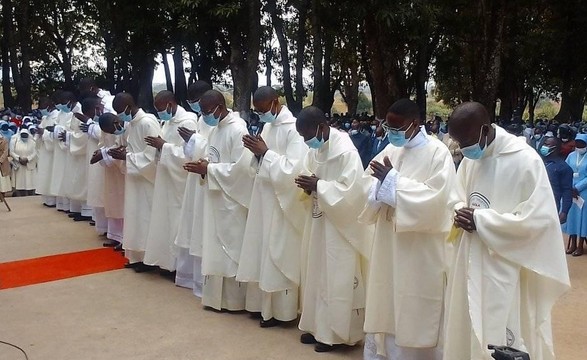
286,224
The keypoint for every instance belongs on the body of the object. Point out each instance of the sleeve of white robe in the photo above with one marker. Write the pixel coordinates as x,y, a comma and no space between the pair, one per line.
343,199
32,159
173,156
233,178
143,163
78,142
519,235
47,139
281,171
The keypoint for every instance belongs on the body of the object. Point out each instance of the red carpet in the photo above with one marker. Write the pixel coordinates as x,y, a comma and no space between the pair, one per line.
56,267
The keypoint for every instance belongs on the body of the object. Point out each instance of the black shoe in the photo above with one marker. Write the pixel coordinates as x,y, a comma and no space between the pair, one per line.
142,268
308,338
74,214
92,223
110,243
49,206
269,323
255,315
320,347
132,265
118,247
170,275
82,218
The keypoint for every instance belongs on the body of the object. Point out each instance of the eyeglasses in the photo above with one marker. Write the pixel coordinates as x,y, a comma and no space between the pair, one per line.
395,131
211,111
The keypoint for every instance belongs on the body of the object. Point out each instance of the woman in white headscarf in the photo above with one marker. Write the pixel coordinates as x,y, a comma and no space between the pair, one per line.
24,153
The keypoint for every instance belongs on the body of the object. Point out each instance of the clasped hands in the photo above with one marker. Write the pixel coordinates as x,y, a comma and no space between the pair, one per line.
198,167
255,144
118,153
464,219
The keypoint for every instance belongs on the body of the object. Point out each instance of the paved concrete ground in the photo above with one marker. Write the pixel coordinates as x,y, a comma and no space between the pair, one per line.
124,315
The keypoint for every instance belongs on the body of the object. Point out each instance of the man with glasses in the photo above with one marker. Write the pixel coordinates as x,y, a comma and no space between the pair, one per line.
411,184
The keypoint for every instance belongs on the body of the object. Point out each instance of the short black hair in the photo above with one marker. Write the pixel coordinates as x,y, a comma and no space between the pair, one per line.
90,102
310,116
197,89
405,108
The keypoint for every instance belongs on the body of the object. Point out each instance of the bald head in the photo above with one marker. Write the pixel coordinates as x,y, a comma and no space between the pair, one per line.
265,100
92,106
122,102
468,122
197,89
109,123
210,100
264,94
309,120
165,101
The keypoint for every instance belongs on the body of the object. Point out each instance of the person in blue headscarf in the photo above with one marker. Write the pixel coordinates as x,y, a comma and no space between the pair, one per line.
5,130
576,225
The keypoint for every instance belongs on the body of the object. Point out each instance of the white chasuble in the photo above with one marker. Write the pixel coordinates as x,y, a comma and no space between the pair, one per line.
61,154
168,193
46,154
508,273
409,260
335,245
228,190
141,168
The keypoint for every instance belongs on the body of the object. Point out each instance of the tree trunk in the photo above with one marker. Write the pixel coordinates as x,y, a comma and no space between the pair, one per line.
318,56
168,82
22,75
268,65
486,78
6,29
244,58
181,90
294,103
301,41
385,89
422,76
572,104
145,84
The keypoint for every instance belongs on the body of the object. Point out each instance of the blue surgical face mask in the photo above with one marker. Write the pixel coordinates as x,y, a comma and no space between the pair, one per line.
398,138
254,127
124,116
45,112
268,117
165,115
118,131
195,106
475,152
63,108
314,143
347,125
545,150
210,119
373,127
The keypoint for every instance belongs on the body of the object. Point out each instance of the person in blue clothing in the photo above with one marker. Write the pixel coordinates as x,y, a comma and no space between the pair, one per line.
576,225
379,142
560,175
362,142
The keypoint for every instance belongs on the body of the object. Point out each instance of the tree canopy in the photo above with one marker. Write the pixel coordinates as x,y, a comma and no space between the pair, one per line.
511,52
